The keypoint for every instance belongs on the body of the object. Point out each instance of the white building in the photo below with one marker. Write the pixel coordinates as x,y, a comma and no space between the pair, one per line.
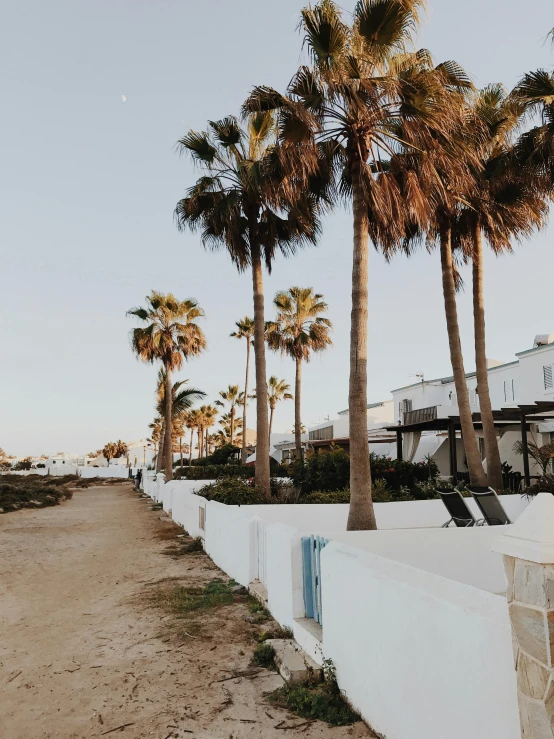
424,416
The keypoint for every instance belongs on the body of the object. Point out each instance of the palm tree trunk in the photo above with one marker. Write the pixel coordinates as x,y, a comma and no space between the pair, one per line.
232,424
494,465
206,446
168,445
297,411
475,466
271,411
181,449
200,441
190,449
361,515
243,452
161,445
262,427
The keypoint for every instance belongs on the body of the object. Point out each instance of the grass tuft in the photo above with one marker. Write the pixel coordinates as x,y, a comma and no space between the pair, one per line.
318,701
182,600
264,656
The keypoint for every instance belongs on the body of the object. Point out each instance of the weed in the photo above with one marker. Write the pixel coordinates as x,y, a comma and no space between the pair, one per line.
257,609
276,633
321,701
264,656
182,600
157,507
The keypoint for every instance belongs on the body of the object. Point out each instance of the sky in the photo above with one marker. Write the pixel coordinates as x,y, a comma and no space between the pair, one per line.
88,184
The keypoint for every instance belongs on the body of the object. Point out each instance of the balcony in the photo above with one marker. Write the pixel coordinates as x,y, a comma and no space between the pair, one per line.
420,415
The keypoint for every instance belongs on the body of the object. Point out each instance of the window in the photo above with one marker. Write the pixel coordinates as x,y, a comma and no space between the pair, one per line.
320,434
547,376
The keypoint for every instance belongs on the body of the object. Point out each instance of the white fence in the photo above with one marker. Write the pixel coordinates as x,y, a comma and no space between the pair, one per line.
415,616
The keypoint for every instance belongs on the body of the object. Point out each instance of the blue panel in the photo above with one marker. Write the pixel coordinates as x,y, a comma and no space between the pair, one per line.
307,583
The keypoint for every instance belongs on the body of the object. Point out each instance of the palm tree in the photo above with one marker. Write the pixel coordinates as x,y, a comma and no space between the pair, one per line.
210,414
110,451
361,81
223,436
170,336
535,147
248,202
156,432
194,421
299,330
277,390
245,330
503,202
233,398
190,423
182,400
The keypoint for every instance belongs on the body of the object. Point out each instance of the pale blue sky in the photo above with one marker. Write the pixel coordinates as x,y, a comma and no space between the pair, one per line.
88,186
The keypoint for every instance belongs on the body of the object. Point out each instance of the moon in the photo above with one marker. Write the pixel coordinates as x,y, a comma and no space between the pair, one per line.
123,98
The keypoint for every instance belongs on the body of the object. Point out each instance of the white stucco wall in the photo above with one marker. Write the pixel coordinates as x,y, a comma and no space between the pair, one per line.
420,656
186,505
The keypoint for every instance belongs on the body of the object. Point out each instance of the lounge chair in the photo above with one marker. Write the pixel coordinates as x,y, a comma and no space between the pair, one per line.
458,510
490,506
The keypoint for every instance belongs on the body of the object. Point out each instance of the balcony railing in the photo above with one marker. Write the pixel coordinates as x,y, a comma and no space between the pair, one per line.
420,415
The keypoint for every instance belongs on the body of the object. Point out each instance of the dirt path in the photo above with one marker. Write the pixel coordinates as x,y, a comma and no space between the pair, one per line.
81,653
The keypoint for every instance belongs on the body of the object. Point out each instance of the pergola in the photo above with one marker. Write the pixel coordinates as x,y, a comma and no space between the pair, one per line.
426,419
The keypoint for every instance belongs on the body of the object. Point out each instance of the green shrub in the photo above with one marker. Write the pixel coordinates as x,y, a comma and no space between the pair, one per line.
264,656
318,701
338,496
329,471
213,472
232,492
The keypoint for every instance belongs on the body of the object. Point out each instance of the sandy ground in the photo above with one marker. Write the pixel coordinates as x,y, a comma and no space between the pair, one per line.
82,653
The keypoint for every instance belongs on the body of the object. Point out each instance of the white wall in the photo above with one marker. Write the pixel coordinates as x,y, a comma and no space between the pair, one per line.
104,472
186,505
420,656
229,540
531,374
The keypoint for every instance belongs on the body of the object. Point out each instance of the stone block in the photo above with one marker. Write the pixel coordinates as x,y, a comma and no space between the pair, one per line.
539,720
532,677
509,565
293,664
529,625
529,583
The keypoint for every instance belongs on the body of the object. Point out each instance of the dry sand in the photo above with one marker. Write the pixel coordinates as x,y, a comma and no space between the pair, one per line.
82,653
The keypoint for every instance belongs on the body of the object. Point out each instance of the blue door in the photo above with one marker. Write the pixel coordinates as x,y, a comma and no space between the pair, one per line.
311,575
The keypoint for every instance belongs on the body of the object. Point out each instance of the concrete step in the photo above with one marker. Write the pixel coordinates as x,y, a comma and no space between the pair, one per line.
259,591
293,664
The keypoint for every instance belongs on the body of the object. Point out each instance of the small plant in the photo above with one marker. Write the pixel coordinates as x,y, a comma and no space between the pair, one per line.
264,656
157,507
182,600
277,632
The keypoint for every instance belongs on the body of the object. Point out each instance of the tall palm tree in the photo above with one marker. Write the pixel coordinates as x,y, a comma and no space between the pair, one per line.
245,330
182,400
210,414
194,422
155,433
535,147
298,331
362,79
190,423
233,398
223,436
170,335
277,390
248,202
502,203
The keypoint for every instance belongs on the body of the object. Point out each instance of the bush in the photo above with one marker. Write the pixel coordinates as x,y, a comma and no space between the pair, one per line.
337,496
329,471
232,492
325,471
213,472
